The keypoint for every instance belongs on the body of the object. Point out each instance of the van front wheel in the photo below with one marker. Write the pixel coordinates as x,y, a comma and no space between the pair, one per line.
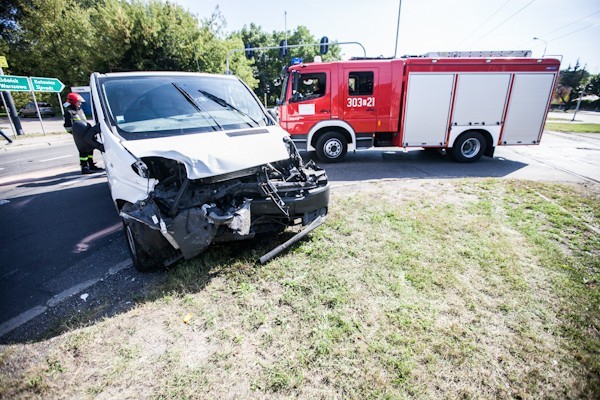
331,147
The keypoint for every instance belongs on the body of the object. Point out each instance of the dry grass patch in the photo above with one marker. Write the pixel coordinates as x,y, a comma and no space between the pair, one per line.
426,289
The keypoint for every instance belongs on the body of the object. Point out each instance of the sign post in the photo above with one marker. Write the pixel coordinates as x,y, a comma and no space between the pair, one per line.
49,85
31,84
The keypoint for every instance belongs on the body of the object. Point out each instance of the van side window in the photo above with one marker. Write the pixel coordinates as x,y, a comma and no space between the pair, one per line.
360,83
310,86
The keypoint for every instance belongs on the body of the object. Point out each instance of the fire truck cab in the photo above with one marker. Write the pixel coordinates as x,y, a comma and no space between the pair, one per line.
467,105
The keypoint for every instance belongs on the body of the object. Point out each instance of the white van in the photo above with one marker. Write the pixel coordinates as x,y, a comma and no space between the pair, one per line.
193,159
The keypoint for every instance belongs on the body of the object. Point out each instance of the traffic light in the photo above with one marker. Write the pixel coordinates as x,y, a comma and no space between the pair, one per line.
249,53
283,50
324,45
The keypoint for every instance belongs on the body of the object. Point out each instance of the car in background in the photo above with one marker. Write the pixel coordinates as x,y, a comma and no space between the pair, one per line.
30,111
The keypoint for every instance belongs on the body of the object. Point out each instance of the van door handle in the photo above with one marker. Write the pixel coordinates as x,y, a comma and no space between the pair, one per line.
323,111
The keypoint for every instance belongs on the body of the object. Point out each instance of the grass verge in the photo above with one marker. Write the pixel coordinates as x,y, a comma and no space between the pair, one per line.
572,127
412,289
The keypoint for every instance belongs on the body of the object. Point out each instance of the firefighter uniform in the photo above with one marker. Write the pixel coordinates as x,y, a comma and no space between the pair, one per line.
84,136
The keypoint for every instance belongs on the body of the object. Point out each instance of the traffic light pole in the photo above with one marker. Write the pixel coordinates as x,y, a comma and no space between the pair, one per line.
292,46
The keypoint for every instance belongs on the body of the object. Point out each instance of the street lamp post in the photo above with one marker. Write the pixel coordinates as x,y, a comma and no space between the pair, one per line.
545,44
578,104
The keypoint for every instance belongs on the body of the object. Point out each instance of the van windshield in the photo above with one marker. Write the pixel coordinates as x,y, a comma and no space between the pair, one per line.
155,106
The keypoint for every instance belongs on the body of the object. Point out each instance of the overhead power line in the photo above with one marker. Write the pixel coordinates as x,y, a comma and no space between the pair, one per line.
545,35
569,24
483,23
577,30
503,22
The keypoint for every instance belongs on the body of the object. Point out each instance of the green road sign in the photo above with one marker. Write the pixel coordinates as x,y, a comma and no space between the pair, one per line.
14,83
46,84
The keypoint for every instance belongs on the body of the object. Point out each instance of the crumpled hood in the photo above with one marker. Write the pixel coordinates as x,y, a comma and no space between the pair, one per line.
216,153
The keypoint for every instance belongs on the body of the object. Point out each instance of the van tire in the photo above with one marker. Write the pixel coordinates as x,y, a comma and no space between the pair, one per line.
149,249
331,147
469,147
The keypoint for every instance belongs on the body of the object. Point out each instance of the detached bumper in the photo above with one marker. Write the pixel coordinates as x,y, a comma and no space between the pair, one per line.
316,199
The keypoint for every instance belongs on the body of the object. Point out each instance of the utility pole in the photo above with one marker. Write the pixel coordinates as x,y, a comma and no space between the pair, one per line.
578,103
398,27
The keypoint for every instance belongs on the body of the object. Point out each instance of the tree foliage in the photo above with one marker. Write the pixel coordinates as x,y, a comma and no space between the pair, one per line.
70,39
268,64
571,82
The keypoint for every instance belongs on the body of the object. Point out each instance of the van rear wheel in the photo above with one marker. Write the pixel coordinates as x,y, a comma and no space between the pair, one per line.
469,147
331,147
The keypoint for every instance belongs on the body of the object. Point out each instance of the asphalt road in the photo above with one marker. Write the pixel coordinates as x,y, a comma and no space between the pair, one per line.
60,231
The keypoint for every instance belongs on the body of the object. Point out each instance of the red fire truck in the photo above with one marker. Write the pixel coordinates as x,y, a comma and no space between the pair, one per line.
466,105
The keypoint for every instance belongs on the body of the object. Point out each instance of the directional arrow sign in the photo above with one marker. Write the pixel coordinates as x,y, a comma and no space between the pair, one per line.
14,83
46,84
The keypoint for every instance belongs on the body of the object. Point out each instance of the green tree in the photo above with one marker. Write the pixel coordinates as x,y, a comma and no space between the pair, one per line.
57,40
162,37
594,85
113,26
570,82
268,64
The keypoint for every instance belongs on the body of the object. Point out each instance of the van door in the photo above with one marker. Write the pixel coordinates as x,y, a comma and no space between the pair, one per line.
360,98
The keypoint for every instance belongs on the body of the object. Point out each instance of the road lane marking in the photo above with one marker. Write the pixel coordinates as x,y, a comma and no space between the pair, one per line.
56,158
2,201
34,312
21,319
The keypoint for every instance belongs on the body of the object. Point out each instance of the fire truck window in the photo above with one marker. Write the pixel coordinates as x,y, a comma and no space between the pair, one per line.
360,83
310,86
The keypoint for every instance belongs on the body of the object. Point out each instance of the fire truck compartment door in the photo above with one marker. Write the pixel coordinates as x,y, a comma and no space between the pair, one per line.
480,99
529,100
427,109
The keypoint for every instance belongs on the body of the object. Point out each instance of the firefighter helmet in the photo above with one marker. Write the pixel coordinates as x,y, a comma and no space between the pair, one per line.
74,98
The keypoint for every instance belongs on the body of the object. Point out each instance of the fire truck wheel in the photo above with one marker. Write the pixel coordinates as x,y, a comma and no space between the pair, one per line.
469,147
331,147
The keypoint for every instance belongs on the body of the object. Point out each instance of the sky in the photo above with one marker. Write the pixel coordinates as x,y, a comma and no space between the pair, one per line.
570,28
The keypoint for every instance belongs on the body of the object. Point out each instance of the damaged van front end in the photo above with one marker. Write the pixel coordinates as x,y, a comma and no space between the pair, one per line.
193,159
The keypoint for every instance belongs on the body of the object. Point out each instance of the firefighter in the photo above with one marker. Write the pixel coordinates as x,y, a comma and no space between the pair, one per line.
83,133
